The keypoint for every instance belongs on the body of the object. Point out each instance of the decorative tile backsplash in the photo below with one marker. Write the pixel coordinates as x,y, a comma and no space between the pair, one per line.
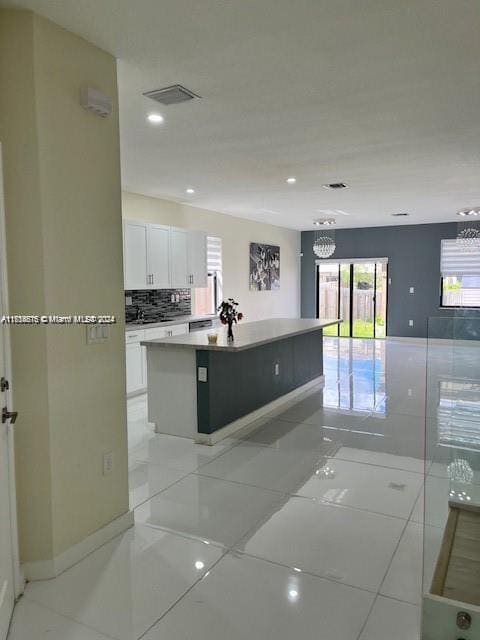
157,304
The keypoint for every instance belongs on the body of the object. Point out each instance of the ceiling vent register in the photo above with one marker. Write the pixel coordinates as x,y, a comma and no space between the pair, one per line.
174,94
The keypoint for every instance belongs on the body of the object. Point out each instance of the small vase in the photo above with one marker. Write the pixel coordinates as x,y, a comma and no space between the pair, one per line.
230,332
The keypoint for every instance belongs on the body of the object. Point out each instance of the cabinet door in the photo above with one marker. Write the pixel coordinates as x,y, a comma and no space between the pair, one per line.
135,367
179,259
158,256
179,329
135,255
197,258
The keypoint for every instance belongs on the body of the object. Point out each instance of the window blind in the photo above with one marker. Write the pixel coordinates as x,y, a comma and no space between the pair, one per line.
214,254
456,261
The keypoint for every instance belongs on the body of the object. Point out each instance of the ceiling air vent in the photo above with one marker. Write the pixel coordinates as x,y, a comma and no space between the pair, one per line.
171,95
336,185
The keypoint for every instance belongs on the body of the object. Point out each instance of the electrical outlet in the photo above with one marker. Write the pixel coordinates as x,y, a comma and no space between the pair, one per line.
277,368
172,298
410,323
128,301
202,374
107,463
177,298
412,289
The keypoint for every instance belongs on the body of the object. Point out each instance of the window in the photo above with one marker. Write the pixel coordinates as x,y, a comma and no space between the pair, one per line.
206,300
460,271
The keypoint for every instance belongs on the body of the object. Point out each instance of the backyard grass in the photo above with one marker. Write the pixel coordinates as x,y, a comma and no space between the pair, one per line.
361,329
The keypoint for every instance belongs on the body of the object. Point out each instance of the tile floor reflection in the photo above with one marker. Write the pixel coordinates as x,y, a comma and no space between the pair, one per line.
309,527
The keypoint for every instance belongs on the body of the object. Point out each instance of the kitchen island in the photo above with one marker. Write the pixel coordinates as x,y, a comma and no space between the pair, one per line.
206,391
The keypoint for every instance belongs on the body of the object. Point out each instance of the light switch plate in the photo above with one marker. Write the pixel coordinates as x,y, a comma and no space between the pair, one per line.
410,323
202,374
412,289
97,333
277,368
107,463
128,300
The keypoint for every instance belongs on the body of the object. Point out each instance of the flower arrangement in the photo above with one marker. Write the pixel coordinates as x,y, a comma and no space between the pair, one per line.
229,315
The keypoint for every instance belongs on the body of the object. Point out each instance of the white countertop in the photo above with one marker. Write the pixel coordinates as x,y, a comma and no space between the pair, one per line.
135,326
246,335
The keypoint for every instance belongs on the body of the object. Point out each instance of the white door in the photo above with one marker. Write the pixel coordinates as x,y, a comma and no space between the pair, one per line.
179,259
135,255
197,258
158,256
7,502
6,548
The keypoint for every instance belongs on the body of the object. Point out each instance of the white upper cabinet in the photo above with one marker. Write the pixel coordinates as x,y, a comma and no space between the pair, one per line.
197,258
158,256
179,275
135,255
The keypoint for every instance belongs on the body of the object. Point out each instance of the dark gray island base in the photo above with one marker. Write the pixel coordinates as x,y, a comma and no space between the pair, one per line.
208,391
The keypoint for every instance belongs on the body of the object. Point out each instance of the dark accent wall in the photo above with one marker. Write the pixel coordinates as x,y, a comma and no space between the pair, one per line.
240,382
413,253
157,304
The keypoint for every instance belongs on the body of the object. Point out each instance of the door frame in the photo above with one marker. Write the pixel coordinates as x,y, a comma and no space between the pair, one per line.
18,580
352,262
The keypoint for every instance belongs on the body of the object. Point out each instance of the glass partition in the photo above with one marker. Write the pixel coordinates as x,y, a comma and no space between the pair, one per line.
451,505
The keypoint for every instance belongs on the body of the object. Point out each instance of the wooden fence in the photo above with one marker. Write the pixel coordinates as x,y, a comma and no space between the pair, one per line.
362,302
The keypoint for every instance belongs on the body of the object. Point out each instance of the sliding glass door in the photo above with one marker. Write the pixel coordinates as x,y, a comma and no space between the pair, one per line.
355,292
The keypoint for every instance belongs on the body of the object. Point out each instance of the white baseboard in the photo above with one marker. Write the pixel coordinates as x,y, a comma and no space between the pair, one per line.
249,422
453,342
46,569
405,339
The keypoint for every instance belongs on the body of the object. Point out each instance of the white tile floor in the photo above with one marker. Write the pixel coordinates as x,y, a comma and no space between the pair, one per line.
309,528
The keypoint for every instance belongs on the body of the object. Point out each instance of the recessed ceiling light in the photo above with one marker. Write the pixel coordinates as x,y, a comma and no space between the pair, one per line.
469,212
400,215
155,118
190,190
332,212
335,185
291,180
326,222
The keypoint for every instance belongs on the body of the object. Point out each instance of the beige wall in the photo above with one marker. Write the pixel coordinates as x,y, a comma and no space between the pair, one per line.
63,210
236,234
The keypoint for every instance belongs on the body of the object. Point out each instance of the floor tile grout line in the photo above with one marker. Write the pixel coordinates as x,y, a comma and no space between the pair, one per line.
174,604
372,464
63,615
335,457
368,616
302,497
185,536
393,556
311,574
187,473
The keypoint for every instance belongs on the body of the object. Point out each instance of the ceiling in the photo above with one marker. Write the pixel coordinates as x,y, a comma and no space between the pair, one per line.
380,94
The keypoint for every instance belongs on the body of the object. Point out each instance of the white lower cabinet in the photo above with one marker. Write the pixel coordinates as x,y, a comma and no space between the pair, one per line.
136,379
136,355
